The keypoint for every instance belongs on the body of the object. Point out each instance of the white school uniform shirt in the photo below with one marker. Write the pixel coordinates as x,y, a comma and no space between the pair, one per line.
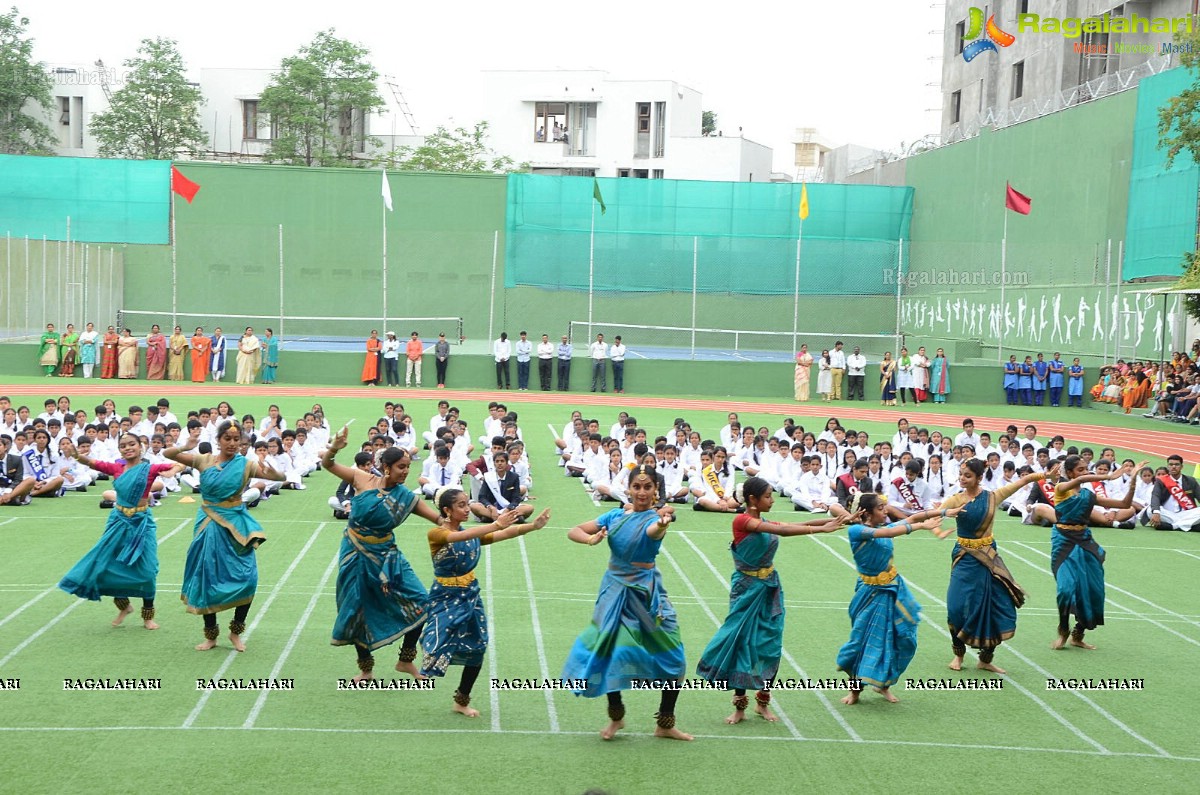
689,457
995,481
448,475
815,487
46,458
935,482
920,490
966,438
492,427
502,349
1143,492
1117,489
617,431
51,415
267,429
862,451
672,475
105,450
436,423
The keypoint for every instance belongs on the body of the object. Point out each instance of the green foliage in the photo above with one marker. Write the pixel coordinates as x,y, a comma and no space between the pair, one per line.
1179,119
319,102
1191,279
22,81
708,122
155,115
458,150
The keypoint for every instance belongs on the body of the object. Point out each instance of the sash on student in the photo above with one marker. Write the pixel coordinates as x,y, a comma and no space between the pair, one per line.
849,482
35,464
1101,489
1047,490
906,493
713,481
1186,503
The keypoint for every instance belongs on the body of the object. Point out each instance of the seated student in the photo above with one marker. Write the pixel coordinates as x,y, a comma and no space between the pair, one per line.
689,456
269,453
1112,490
405,437
812,492
436,423
76,476
993,473
340,501
608,481
671,471
1175,501
300,465
908,493
574,440
580,461
40,462
1143,485
170,479
462,448
717,481
441,471
771,463
15,485
848,485
500,492
935,480
519,462
875,473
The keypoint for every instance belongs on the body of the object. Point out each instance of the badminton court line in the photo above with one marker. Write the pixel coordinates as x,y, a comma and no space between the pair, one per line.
261,701
717,622
49,624
537,635
1012,650
262,611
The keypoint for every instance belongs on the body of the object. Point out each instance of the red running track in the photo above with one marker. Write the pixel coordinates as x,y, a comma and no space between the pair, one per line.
1154,441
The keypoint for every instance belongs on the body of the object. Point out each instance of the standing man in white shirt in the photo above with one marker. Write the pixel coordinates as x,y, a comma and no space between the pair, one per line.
837,369
856,370
564,365
545,354
502,351
617,354
524,352
391,359
599,355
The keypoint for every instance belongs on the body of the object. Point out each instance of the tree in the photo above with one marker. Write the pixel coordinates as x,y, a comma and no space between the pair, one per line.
22,82
156,114
1179,131
458,150
708,122
319,103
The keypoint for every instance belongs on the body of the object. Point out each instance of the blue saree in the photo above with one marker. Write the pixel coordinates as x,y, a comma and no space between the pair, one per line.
456,631
1077,560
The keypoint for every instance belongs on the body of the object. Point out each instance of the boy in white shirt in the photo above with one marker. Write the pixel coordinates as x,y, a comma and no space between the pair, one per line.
436,423
812,492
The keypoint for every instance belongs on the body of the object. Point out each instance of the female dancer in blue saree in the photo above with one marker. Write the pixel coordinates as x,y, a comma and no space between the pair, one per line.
883,614
1076,560
746,649
379,597
221,572
124,562
456,630
983,597
634,635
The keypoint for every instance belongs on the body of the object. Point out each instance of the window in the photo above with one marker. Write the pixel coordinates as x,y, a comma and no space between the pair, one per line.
249,119
550,122
1023,7
622,172
657,174
956,107
660,128
960,30
640,173
641,128
580,131
64,107
1018,79
643,117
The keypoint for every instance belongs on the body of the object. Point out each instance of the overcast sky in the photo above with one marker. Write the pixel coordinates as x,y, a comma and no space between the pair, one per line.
858,72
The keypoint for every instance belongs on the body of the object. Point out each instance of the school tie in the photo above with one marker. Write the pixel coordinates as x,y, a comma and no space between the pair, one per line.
444,476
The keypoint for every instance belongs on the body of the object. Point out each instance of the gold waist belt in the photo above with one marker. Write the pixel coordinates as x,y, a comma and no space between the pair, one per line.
457,582
370,539
230,503
131,511
883,578
761,574
1075,528
976,543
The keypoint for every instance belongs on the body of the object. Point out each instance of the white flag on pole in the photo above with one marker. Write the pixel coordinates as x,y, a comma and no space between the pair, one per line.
387,191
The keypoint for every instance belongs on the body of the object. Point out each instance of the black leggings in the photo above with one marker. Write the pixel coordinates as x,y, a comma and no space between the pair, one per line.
239,615
666,703
960,650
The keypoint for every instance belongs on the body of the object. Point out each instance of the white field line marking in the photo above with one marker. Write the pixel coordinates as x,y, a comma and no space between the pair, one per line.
717,623
262,611
287,649
493,664
1189,554
47,626
1078,694
537,636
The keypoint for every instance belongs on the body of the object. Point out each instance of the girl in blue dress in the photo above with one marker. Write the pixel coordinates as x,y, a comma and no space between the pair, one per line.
380,599
220,572
1025,381
1076,560
456,631
1075,384
634,635
124,562
1011,370
745,651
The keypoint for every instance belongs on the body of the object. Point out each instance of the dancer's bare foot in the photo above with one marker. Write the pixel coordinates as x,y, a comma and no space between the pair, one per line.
671,734
1058,642
990,667
236,641
765,713
363,677
410,669
887,694
610,731
851,697
737,717
956,663
1082,644
122,615
470,712
150,624
206,645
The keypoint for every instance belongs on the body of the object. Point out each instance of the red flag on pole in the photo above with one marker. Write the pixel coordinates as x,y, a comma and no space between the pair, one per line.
188,189
1016,201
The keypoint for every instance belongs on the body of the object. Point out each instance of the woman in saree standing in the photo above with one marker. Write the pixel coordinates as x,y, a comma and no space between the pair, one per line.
745,651
983,597
804,363
456,631
156,354
217,357
68,352
371,365
939,377
380,599
177,352
127,355
887,380
201,348
108,353
221,572
270,362
48,352
87,349
883,614
634,635
124,562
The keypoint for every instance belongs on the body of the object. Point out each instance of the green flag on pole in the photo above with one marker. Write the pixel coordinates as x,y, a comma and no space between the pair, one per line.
596,195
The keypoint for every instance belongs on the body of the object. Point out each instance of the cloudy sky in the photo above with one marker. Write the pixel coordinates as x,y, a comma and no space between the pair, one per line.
858,72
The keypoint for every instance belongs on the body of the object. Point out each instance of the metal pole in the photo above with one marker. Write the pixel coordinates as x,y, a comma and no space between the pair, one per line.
591,268
174,272
899,284
8,277
1003,271
1162,342
1120,326
281,282
796,288
492,297
695,270
1107,296
383,213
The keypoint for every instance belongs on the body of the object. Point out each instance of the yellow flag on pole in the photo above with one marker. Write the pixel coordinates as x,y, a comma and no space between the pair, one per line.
803,201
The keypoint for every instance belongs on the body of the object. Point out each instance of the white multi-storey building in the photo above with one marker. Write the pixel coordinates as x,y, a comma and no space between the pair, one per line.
583,123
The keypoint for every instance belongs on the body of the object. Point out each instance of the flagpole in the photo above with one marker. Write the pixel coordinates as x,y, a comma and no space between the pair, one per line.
174,278
383,224
1003,267
591,268
796,289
